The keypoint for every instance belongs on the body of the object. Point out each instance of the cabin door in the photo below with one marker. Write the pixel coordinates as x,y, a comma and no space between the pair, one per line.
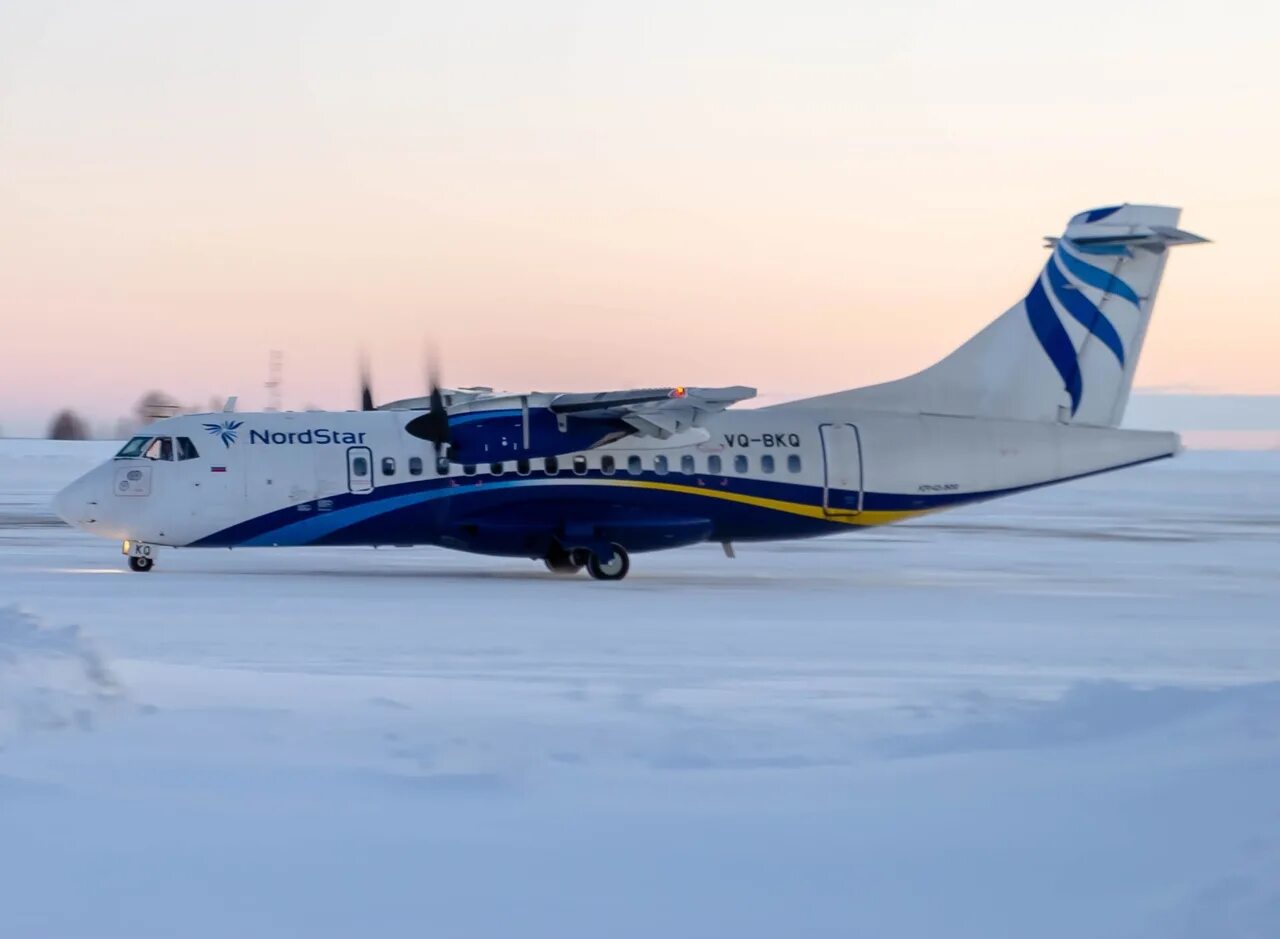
842,470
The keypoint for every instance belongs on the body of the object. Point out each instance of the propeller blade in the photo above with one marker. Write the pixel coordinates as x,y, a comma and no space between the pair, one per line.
366,386
433,424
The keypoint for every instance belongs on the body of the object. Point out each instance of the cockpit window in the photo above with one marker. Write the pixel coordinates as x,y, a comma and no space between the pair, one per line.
161,449
187,449
133,448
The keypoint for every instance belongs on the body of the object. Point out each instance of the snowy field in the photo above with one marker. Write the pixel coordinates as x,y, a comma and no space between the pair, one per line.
1052,716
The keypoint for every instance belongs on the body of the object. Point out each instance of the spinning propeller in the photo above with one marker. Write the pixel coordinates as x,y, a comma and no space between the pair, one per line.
433,424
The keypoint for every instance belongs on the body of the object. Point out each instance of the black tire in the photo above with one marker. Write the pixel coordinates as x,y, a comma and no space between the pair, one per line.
616,569
141,565
564,566
560,561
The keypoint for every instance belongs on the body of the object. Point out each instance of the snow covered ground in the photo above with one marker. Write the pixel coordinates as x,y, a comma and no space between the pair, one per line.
1054,716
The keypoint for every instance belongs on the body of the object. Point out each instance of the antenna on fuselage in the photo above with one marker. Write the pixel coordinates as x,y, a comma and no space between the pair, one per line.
230,406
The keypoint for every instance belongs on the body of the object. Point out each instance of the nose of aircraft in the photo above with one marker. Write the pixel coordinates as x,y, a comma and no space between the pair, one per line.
76,503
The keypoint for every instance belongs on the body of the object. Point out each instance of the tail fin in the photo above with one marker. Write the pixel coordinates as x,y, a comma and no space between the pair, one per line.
1065,352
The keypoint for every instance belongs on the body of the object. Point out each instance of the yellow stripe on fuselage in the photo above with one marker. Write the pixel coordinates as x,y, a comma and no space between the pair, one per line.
860,519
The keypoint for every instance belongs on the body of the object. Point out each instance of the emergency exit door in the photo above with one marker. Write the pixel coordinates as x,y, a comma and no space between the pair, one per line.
842,470
359,469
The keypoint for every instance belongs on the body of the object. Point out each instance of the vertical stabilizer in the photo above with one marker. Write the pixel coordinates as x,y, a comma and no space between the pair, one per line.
1067,351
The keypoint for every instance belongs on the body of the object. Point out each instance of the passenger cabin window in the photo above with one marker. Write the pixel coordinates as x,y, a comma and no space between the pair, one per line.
495,469
415,466
660,464
359,467
388,466
161,449
469,468
580,465
766,463
551,465
686,464
442,465
133,448
522,467
713,463
607,465
740,463
634,466
187,449
793,463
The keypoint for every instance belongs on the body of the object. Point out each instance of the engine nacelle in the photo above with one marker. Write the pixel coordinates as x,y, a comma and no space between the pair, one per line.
490,436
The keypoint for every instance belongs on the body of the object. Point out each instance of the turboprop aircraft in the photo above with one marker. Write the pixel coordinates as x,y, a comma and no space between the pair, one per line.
586,480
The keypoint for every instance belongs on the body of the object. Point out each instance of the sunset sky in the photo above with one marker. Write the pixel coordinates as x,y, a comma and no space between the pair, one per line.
802,196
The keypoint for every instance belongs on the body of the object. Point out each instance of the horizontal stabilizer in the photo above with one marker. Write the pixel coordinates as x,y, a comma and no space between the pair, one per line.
1123,241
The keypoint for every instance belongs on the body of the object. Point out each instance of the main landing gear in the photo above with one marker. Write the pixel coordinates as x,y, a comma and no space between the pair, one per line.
142,557
560,561
614,567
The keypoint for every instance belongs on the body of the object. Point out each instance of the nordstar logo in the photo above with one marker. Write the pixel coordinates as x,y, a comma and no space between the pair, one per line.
226,431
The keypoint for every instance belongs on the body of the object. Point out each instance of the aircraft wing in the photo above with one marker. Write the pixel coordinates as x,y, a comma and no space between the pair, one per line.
654,412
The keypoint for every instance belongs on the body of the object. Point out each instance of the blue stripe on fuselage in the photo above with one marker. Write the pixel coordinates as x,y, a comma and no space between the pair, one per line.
742,522
348,509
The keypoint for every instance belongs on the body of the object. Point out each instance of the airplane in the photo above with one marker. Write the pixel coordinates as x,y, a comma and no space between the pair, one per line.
584,480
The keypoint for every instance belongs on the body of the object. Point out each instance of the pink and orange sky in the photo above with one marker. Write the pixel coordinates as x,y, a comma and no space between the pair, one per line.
801,197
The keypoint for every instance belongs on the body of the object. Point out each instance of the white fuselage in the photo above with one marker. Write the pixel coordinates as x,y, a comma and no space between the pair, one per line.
357,478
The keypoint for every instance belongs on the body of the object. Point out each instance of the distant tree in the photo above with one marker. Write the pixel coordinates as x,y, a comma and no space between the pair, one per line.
155,405
68,425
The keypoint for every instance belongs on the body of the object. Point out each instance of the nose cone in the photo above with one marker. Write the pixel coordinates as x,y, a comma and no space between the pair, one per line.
76,503
62,505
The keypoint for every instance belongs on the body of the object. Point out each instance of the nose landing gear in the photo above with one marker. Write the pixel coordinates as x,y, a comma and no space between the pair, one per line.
142,557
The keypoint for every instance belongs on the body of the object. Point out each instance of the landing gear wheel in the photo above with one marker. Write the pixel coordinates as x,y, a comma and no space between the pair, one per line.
615,569
560,561
562,565
141,565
